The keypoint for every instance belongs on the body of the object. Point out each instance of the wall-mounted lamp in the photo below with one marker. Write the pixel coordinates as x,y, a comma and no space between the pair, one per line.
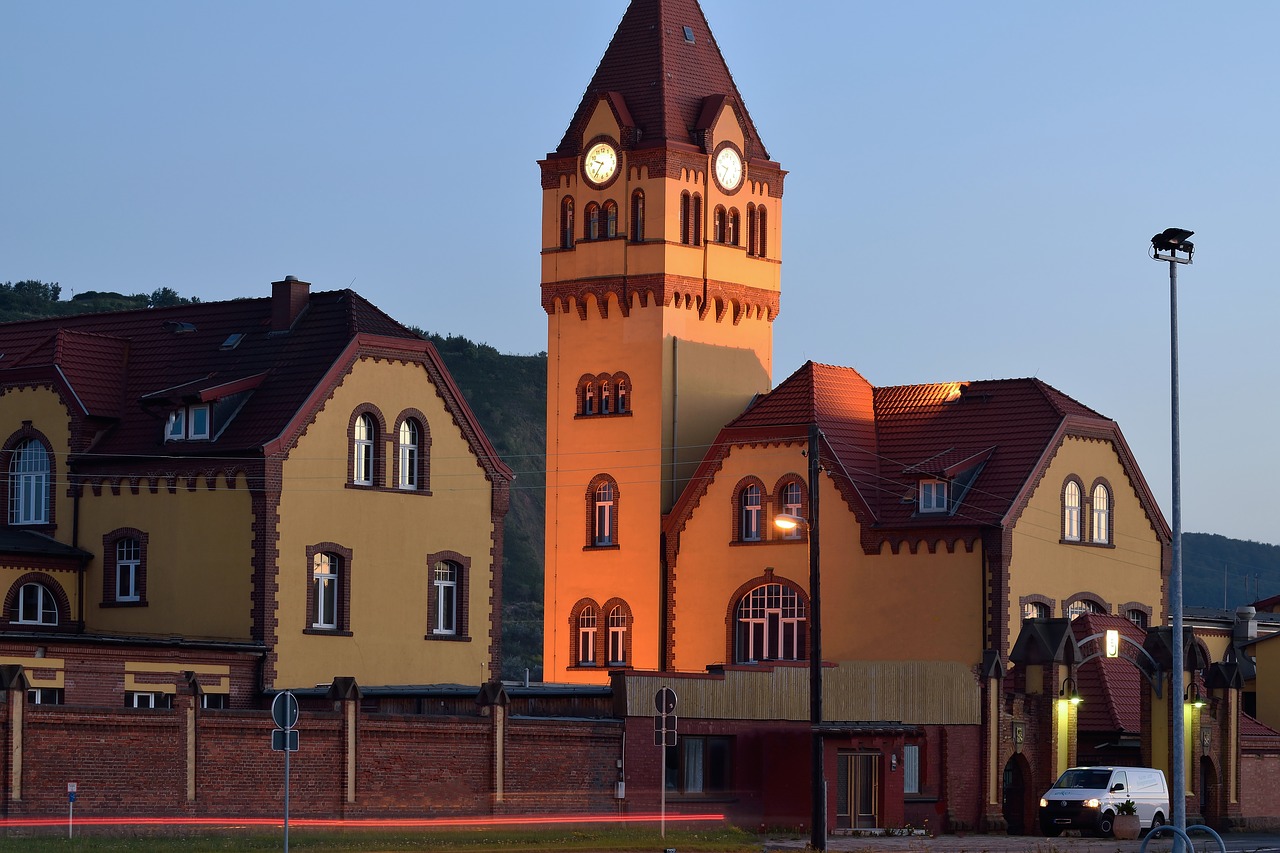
893,761
1193,697
1070,691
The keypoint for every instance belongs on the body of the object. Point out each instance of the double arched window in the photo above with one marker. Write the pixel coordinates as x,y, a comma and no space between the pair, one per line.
755,509
690,219
601,633
1098,512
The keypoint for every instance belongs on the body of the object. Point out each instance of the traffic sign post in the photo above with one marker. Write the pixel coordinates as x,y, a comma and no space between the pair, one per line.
284,711
664,735
71,806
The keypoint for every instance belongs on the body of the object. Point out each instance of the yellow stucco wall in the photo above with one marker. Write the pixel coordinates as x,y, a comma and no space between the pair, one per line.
1267,683
391,533
1042,564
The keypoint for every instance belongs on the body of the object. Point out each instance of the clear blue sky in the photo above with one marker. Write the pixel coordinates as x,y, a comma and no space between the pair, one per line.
1006,162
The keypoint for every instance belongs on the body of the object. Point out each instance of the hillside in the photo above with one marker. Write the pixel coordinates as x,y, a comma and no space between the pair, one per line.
1222,572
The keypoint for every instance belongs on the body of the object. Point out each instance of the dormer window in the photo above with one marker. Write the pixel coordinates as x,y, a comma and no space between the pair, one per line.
933,496
188,423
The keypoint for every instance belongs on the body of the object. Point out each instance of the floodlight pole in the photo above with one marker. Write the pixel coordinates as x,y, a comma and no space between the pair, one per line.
818,839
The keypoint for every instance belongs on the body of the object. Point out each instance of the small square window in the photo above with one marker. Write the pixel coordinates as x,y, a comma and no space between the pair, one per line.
177,428
933,496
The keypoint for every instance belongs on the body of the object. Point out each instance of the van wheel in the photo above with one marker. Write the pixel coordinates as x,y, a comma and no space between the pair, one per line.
1106,823
1157,820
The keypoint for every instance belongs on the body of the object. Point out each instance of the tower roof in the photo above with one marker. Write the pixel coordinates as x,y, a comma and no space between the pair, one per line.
666,65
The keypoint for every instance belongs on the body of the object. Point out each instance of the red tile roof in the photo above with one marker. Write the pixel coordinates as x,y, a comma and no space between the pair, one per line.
1111,687
664,80
126,370
990,437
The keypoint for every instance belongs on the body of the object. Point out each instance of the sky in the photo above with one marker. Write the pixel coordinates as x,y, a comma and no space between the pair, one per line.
972,187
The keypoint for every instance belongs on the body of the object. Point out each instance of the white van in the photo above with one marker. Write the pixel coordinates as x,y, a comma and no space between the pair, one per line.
1086,798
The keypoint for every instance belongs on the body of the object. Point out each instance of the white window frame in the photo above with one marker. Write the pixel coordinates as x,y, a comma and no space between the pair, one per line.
1081,607
773,617
622,397
1101,515
29,483
910,769
362,451
617,636
199,422
589,399
44,605
128,566
752,510
409,455
324,575
602,533
1035,610
604,398
176,428
147,699
45,696
792,504
933,495
445,580
587,636
1071,512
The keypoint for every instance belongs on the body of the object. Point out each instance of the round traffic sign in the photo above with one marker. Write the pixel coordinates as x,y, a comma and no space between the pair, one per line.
284,710
665,700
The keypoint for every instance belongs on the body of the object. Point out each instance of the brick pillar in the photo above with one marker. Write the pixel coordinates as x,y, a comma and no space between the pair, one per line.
492,703
13,682
346,695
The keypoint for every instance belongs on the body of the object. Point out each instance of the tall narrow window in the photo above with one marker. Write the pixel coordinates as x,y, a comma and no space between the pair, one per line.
637,217
593,222
566,222
589,399
324,576
128,569
408,455
36,605
446,595
718,225
731,227
1101,514
198,425
587,636
29,484
771,624
910,769
751,230
362,470
604,398
751,510
762,215
603,532
696,216
792,504
686,229
617,636
610,219
1071,512
622,396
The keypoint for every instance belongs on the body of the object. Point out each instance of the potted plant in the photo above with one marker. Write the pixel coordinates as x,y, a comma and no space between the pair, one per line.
1127,823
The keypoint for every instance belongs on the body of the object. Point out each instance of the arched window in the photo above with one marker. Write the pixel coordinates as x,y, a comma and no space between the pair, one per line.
29,483
696,216
1101,514
718,225
622,396
566,222
762,215
593,222
447,576
1081,606
1138,617
751,229
605,516
409,437
731,228
618,636
610,218
604,398
637,217
770,624
793,504
686,229
363,450
587,636
324,578
1035,610
589,399
750,510
1071,512
36,605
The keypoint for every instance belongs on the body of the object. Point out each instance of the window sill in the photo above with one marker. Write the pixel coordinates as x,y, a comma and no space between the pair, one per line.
601,547
1085,544
141,603
363,487
327,632
448,638
603,416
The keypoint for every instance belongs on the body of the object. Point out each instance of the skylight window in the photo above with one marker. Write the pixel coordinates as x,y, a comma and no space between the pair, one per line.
688,35
232,341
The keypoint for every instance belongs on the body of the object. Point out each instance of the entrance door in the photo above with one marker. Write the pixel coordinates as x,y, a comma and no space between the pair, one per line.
1014,797
858,793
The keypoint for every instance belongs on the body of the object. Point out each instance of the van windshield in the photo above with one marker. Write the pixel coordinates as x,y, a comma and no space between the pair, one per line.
1086,778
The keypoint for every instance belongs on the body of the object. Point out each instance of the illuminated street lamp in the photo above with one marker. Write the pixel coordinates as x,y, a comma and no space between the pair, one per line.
818,834
1172,246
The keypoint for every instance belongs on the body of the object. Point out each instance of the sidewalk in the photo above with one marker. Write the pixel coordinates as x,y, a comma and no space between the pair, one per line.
973,843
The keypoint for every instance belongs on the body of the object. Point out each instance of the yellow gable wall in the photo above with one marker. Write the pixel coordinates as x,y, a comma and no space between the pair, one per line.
1042,564
901,607
198,561
390,534
1267,657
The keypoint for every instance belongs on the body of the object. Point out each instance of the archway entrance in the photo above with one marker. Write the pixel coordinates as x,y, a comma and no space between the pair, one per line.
1013,797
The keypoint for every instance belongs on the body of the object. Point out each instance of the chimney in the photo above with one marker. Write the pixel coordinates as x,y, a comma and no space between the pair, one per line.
288,298
1246,624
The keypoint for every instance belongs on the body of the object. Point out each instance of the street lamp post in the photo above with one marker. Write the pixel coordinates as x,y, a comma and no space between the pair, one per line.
818,781
1172,245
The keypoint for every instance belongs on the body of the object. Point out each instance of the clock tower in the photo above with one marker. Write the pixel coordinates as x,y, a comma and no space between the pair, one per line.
660,280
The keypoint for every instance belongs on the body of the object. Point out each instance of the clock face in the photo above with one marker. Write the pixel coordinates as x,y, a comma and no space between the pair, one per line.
600,163
729,168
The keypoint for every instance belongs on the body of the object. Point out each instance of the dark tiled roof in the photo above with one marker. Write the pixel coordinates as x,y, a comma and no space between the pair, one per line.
37,544
1111,687
1252,727
990,436
128,369
663,79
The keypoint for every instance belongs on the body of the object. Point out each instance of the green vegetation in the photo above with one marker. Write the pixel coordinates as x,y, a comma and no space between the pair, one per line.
723,839
1222,572
31,300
